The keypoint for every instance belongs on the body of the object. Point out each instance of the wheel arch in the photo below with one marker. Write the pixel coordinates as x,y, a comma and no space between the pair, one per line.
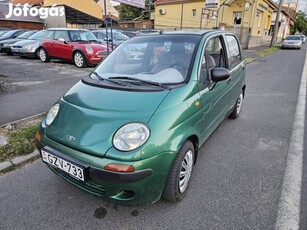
81,51
195,141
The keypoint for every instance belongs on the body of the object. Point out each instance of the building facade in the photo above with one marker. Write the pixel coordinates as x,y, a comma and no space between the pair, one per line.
250,20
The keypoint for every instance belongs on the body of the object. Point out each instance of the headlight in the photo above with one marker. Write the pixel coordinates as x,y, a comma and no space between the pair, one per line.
89,49
28,46
130,136
52,114
7,45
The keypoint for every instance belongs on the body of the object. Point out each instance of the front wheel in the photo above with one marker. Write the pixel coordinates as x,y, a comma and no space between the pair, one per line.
43,56
80,60
237,108
180,173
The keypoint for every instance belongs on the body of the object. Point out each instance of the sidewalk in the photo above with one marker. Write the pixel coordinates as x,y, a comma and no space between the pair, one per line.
253,53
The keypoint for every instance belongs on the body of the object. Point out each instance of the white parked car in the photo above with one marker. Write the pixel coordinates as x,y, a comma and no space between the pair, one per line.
292,41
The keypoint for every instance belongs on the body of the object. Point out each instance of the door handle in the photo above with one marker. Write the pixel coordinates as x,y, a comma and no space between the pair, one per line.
228,80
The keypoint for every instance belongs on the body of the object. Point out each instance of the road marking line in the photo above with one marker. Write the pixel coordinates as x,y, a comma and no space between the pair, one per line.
288,214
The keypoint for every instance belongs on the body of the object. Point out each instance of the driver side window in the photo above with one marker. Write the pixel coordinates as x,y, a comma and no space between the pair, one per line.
214,56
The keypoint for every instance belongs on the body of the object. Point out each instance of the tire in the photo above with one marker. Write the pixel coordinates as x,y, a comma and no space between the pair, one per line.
79,59
36,53
43,56
176,186
237,108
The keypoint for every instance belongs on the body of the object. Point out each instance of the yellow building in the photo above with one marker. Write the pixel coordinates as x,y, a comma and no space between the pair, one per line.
250,20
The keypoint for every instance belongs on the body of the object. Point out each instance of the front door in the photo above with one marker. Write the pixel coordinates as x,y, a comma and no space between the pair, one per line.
62,47
214,95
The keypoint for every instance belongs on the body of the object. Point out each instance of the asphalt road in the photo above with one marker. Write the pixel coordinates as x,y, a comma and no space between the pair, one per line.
236,183
32,87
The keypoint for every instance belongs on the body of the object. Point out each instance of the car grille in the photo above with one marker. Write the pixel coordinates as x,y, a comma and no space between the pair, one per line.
87,186
101,53
17,47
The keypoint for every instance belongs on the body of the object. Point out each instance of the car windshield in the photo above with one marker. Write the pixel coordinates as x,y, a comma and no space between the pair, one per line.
38,35
9,34
26,35
293,38
3,32
162,59
82,36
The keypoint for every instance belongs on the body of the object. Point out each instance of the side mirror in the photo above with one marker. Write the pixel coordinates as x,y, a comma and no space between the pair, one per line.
219,74
62,40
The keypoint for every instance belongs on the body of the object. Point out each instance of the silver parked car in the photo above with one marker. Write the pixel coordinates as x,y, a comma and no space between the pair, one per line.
29,47
292,41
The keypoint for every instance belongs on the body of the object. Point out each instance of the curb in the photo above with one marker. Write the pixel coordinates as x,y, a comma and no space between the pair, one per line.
6,165
17,161
15,124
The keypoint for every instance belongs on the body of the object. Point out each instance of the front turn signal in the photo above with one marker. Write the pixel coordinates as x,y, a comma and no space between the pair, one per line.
119,168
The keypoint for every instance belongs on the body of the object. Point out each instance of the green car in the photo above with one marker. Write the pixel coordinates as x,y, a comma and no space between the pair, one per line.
130,131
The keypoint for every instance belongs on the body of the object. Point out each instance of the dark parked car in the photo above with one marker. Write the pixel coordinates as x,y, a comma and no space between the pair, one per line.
5,45
12,34
130,131
75,45
29,47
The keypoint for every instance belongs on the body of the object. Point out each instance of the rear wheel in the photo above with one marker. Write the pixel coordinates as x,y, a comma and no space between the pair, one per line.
180,173
237,108
43,56
79,60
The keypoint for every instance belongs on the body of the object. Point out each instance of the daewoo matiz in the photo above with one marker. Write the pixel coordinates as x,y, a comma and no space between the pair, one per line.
131,130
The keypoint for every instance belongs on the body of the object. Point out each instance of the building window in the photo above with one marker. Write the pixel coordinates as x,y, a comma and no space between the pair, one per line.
259,15
237,18
268,23
194,13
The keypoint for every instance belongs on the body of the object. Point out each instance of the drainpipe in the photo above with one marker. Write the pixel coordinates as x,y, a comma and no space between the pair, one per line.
251,22
181,16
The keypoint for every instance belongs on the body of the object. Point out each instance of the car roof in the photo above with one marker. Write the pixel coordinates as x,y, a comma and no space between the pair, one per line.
70,29
190,32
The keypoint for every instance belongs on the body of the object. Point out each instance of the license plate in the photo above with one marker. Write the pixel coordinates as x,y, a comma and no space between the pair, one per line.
72,169
16,51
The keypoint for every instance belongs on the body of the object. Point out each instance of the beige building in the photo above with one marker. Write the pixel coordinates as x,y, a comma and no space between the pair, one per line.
250,20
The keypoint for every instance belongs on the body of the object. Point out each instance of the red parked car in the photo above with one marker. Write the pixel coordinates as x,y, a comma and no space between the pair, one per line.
79,46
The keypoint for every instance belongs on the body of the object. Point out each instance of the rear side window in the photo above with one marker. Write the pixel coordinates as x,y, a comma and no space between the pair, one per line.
234,55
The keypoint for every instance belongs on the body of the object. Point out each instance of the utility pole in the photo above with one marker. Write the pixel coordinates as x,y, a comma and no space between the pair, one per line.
181,16
275,31
149,9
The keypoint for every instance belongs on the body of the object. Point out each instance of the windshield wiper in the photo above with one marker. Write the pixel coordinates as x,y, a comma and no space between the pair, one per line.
140,80
106,79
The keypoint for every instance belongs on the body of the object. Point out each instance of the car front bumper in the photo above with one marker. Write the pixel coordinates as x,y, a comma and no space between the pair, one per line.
291,46
143,186
5,49
23,52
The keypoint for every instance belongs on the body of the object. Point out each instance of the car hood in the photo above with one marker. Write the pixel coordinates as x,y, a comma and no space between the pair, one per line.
292,41
11,41
91,44
89,116
24,42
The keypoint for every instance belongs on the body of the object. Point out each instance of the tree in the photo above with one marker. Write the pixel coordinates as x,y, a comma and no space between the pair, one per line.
127,12
300,24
